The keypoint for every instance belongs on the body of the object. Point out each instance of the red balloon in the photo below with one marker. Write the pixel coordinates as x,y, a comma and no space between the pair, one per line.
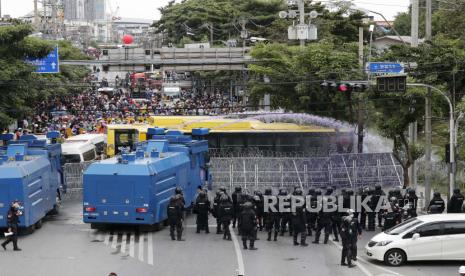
128,39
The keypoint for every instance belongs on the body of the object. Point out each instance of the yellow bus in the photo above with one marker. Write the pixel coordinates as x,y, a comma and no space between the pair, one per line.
229,135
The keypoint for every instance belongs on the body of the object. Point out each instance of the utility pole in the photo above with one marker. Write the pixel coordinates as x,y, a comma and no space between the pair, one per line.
36,14
413,126
302,19
360,113
428,114
244,34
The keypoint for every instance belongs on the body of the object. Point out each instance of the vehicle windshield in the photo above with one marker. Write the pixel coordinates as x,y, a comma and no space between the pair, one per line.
70,158
402,227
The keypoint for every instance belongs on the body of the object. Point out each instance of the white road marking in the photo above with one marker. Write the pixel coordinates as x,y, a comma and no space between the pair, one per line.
237,248
359,265
380,267
100,237
114,241
150,249
141,247
131,243
123,243
107,239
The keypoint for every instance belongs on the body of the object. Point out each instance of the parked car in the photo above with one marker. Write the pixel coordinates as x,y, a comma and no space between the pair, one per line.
78,152
429,237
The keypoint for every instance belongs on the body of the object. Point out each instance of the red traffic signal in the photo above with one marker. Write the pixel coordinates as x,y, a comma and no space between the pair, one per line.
342,88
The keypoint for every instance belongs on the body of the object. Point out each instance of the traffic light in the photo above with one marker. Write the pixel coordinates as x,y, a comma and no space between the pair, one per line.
345,86
386,84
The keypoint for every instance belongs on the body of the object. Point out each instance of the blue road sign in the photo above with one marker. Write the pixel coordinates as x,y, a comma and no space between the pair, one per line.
49,64
386,68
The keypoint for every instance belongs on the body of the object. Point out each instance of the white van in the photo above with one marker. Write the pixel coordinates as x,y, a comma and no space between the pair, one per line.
77,152
98,140
429,237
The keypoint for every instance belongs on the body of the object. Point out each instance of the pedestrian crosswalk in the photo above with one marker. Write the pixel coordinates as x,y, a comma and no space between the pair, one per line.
137,245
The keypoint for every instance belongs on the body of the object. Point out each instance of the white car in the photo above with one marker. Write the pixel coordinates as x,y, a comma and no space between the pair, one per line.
429,237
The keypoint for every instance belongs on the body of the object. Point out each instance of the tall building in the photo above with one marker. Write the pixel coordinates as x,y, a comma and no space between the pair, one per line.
84,10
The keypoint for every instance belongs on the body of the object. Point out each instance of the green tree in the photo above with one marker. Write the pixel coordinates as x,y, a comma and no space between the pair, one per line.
20,87
296,75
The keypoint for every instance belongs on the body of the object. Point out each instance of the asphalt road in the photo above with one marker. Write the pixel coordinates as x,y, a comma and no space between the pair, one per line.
66,246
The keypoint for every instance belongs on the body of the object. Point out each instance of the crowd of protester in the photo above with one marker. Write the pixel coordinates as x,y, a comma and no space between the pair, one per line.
92,110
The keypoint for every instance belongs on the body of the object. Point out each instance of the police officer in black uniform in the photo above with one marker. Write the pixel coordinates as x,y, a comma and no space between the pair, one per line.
350,231
436,205
299,221
12,222
311,215
271,217
248,225
202,208
235,200
259,205
323,223
394,216
363,193
371,214
284,216
455,203
378,194
216,206
225,214
411,200
176,216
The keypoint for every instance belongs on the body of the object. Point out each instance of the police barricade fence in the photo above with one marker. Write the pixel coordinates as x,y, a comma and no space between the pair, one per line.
72,176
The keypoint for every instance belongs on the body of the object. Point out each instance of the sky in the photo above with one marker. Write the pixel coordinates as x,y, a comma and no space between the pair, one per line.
148,9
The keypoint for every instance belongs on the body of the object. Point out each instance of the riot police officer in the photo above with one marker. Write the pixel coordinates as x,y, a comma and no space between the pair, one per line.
394,216
436,205
235,199
259,205
311,216
176,216
216,206
248,226
411,200
12,222
378,194
455,203
285,217
363,193
372,203
202,208
271,217
225,214
323,223
299,221
350,231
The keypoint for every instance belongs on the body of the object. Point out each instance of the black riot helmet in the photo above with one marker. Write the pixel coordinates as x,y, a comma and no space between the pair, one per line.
202,194
298,192
437,194
282,192
311,191
268,191
258,192
318,192
223,189
350,192
378,187
457,191
411,192
329,191
238,189
178,191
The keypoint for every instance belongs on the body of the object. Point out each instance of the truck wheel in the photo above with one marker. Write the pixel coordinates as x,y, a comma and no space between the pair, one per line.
395,257
54,211
38,224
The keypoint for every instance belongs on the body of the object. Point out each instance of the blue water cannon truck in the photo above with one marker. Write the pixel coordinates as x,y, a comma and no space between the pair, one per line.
30,173
134,188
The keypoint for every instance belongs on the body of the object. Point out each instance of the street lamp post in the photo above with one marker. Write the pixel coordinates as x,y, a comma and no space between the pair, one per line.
452,136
